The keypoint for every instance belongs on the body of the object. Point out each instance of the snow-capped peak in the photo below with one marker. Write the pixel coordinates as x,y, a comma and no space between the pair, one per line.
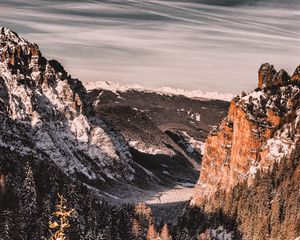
117,87
6,35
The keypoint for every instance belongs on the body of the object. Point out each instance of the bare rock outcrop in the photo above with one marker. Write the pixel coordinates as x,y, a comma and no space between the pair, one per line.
269,77
296,75
265,75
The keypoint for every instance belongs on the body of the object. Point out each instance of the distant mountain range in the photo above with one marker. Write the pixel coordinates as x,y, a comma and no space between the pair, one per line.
194,94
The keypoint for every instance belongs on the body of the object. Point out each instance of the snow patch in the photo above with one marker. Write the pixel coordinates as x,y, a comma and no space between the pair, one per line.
80,128
150,149
221,233
192,143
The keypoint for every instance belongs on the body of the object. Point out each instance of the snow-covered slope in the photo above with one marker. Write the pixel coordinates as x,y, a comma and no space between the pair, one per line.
117,87
40,94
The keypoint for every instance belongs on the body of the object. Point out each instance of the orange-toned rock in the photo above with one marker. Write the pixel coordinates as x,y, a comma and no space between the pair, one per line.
229,152
296,75
2,183
265,75
275,121
280,78
234,151
34,50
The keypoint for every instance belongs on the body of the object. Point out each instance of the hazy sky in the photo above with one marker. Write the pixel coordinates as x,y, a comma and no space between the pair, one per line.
205,44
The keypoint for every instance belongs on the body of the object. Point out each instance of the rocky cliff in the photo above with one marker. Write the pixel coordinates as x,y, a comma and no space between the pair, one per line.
244,170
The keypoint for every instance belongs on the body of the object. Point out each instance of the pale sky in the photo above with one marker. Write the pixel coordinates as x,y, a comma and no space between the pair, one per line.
212,45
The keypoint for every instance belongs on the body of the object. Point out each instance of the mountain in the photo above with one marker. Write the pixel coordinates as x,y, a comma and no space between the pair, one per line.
99,148
110,149
48,145
40,95
249,181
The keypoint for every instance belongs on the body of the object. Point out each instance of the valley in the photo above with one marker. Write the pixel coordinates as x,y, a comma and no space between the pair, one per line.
141,164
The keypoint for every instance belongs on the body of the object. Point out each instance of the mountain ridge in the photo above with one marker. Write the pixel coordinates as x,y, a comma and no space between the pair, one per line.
247,185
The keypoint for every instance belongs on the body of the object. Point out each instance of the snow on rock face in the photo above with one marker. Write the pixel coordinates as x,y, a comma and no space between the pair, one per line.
9,36
191,143
153,150
282,144
80,128
39,93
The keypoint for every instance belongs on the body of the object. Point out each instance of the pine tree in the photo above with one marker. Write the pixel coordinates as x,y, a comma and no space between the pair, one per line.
151,234
6,225
28,192
63,214
142,209
28,202
204,236
43,217
2,183
136,228
165,235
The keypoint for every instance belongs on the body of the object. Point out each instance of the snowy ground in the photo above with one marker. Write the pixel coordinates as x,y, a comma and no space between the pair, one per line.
167,205
182,192
177,194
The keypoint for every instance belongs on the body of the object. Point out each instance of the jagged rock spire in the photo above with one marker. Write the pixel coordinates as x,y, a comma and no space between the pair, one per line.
244,140
8,36
265,75
15,50
296,75
269,77
280,78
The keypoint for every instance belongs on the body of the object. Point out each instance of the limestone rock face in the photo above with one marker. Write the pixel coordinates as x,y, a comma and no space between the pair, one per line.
269,77
249,178
259,130
265,75
22,64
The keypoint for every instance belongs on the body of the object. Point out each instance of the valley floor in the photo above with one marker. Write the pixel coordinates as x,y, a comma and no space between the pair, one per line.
177,194
182,192
166,204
